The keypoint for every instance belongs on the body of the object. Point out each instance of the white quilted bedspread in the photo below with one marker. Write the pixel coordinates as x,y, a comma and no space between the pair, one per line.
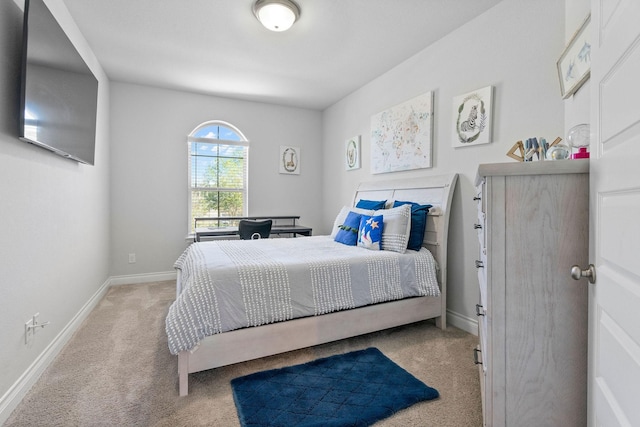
233,284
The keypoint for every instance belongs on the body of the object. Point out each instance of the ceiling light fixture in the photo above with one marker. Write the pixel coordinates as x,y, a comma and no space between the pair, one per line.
276,15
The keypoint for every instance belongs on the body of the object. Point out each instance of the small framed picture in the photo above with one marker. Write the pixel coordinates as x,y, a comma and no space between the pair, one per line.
574,65
289,160
352,153
472,115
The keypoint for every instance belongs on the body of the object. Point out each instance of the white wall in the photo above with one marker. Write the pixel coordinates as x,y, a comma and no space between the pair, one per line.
54,216
149,186
514,47
576,108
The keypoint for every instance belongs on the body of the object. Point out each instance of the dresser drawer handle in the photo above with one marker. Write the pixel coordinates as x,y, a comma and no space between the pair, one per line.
480,310
479,264
477,226
477,199
476,358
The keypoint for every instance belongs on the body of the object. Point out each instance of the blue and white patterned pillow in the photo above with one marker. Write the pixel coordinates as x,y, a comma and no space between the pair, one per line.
397,225
370,232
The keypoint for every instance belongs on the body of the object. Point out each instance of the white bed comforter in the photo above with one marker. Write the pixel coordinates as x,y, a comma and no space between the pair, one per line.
232,284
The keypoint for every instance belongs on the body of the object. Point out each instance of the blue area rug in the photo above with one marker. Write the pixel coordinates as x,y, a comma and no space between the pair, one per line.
352,389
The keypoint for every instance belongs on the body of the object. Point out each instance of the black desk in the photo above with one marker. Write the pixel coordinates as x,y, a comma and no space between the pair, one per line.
218,231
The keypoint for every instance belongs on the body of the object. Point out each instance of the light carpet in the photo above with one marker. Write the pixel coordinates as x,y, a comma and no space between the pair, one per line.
117,371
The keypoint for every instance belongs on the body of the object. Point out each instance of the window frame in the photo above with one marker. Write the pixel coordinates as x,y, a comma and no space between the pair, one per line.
244,142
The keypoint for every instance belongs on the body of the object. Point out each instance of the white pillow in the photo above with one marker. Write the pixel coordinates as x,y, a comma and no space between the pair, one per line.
396,229
342,215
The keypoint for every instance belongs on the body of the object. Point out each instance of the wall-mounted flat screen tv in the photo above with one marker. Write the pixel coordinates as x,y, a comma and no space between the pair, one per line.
59,93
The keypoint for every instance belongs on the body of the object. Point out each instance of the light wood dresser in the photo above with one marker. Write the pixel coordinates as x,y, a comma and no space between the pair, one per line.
533,225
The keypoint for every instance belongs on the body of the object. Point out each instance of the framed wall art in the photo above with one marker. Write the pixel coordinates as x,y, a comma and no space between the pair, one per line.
352,153
401,137
472,115
289,160
574,65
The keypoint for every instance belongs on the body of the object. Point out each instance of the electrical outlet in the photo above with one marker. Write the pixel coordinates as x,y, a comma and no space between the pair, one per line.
31,326
132,258
29,330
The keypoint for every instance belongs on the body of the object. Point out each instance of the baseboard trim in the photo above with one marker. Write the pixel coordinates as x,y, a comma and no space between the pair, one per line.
133,279
19,389
460,321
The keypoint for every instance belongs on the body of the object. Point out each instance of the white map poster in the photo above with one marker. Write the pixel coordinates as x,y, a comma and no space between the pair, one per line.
401,136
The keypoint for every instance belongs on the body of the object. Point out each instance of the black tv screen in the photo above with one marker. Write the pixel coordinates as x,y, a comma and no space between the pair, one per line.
59,93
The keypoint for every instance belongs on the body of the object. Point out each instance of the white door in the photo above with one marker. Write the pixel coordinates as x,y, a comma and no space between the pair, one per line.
614,324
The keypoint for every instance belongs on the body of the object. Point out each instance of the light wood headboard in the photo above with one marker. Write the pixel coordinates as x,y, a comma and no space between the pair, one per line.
433,190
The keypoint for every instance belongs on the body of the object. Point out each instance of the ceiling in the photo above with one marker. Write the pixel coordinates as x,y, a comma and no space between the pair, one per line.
218,47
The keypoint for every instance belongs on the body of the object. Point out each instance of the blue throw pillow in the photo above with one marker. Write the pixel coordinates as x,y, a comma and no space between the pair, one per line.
370,233
418,223
371,204
348,231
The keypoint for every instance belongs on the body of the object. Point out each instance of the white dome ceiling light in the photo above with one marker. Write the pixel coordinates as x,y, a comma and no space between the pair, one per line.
276,15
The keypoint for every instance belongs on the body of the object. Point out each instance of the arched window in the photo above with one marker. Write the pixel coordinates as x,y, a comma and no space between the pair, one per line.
218,156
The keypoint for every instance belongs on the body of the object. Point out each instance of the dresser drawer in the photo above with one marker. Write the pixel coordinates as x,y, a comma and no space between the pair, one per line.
481,223
482,285
479,196
480,226
482,335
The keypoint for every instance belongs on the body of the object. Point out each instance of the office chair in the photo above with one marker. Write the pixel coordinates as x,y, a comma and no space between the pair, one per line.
250,230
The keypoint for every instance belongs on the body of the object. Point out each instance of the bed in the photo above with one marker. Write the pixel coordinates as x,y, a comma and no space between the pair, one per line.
333,308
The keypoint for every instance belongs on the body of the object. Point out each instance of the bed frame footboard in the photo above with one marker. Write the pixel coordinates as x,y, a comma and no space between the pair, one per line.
253,343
